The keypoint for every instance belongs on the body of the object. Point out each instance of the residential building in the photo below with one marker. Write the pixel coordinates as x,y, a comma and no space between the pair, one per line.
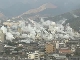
19,30
49,48
2,36
62,45
65,51
31,56
35,56
74,58
57,57
1,47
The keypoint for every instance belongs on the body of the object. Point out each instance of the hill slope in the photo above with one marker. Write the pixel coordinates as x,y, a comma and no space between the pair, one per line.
72,17
12,8
40,9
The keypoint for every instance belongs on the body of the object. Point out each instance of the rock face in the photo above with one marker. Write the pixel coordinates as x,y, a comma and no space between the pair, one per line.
41,8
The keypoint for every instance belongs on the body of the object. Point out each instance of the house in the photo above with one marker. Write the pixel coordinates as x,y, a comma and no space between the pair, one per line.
57,57
2,36
62,45
35,55
49,48
65,51
74,58
1,47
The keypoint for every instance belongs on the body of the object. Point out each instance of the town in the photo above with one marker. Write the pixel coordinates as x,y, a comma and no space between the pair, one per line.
44,40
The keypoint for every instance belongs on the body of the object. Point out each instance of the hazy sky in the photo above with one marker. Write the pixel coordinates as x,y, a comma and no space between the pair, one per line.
7,3
16,7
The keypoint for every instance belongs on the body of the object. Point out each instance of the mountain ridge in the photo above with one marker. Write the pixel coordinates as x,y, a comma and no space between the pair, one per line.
41,8
12,8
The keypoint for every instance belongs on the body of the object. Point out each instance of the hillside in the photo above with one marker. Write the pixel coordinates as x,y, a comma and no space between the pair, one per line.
41,8
37,11
72,17
12,8
75,21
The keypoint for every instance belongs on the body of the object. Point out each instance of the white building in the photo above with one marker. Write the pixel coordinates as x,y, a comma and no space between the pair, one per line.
35,56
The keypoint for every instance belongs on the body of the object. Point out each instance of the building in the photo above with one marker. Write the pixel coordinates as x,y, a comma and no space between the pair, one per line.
57,57
72,42
31,56
62,45
57,43
2,36
74,58
49,48
65,51
35,56
10,23
1,47
19,30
